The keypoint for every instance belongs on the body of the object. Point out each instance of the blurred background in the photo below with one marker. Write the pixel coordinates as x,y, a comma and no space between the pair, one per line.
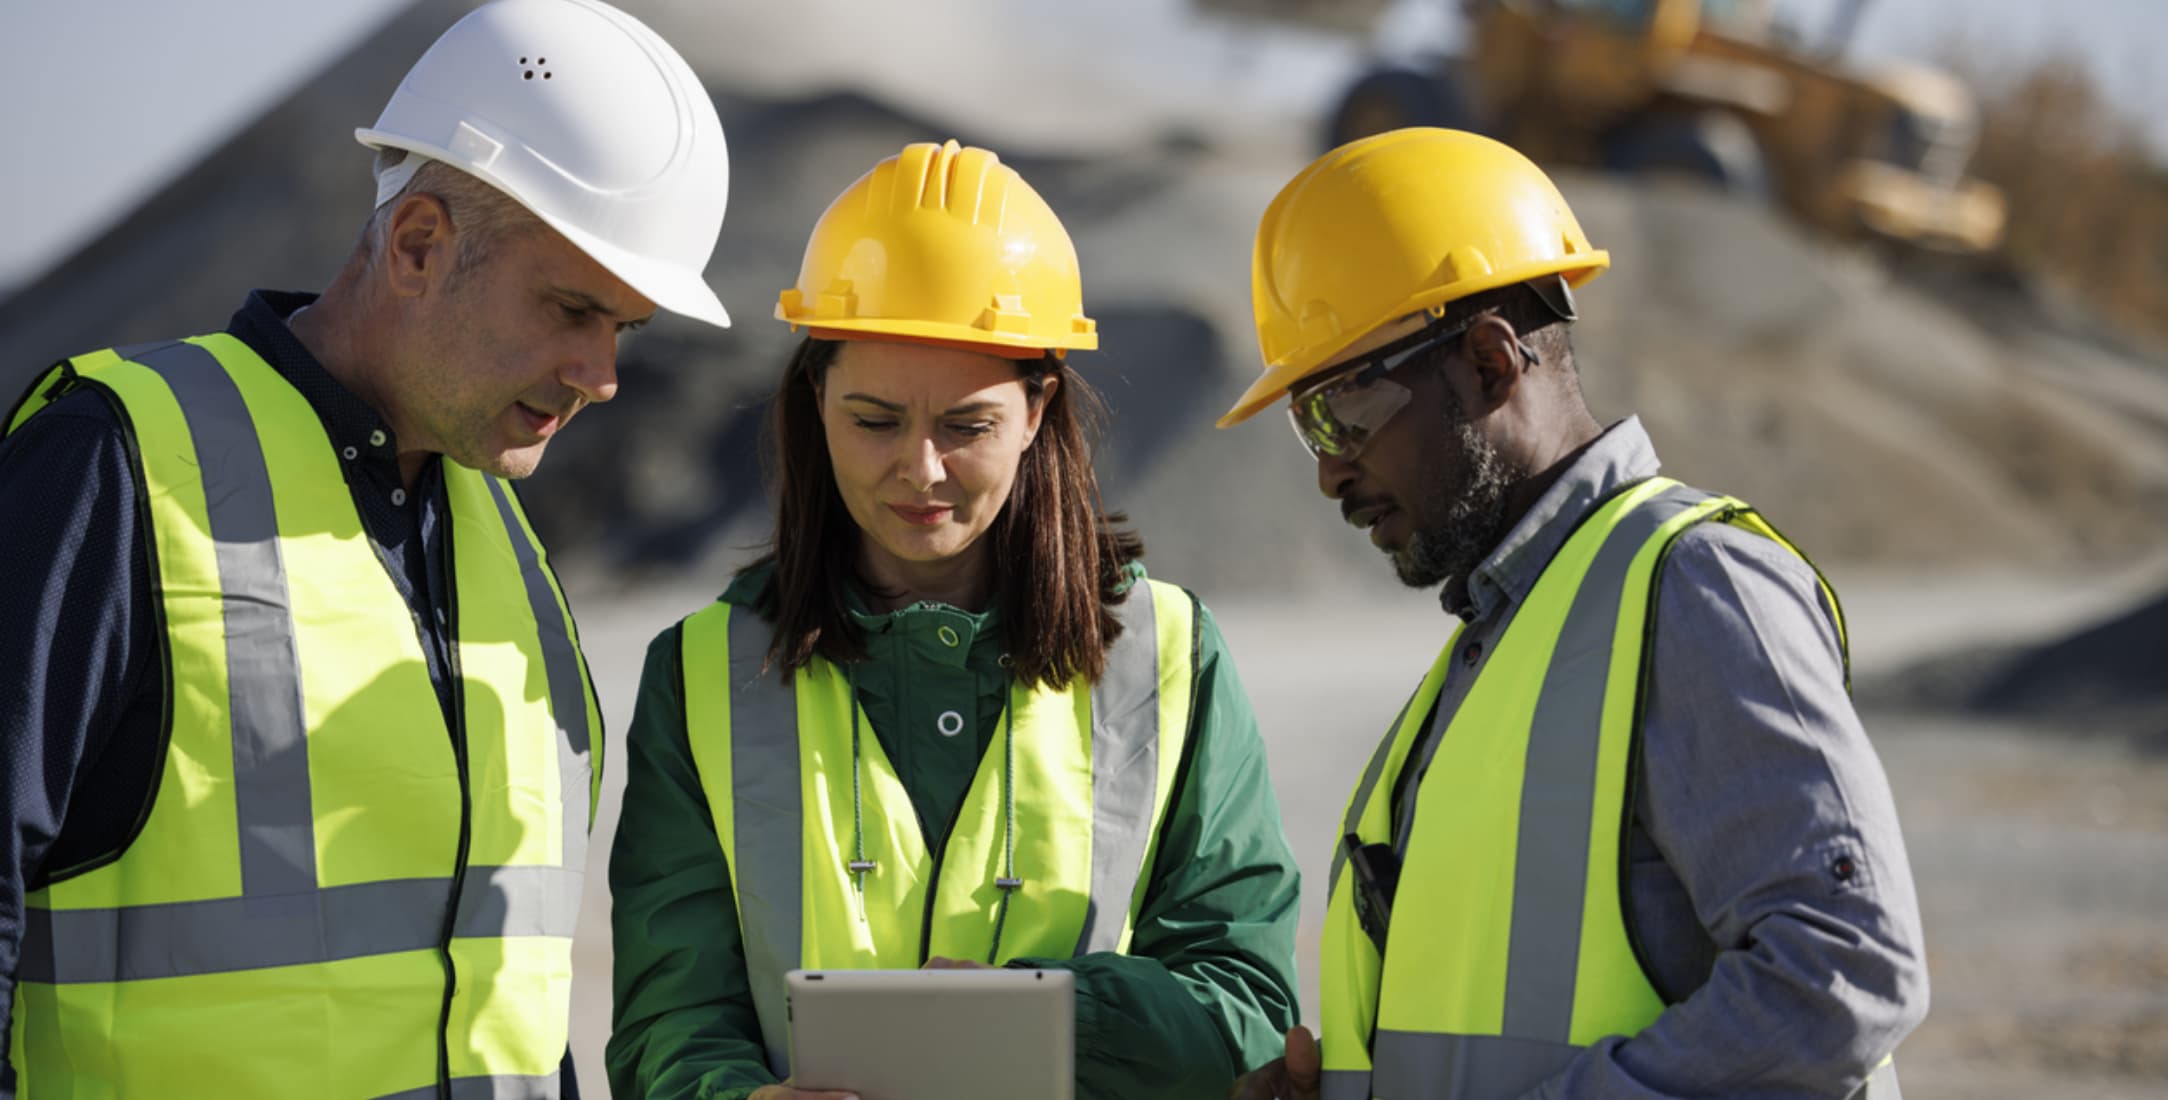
1896,271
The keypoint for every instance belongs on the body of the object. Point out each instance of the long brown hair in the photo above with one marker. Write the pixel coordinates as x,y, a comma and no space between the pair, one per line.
1057,555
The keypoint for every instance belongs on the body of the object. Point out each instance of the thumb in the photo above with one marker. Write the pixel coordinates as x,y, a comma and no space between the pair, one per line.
1303,1062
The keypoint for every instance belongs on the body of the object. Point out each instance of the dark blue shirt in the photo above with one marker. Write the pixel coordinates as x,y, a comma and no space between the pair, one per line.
83,691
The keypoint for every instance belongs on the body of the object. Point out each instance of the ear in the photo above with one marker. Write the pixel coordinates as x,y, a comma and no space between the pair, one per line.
1037,408
419,246
1494,351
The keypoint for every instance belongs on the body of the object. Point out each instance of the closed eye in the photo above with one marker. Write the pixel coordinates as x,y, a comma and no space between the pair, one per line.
873,425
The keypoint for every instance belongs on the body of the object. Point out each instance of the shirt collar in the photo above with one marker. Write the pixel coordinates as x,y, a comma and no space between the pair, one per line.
940,632
1621,455
261,323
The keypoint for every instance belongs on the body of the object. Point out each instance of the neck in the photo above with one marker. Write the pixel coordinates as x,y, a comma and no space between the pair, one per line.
964,581
337,329
1548,461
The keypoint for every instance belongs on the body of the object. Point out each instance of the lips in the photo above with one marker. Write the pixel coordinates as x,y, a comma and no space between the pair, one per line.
1367,516
1370,516
543,424
1378,523
925,516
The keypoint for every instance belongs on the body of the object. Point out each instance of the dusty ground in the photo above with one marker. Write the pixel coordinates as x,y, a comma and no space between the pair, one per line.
2042,857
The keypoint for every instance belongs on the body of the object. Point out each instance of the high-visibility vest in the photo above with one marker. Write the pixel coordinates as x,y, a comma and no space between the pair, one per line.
1094,771
1507,950
331,894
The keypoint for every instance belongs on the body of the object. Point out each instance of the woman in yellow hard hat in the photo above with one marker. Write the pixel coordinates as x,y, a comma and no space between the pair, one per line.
946,720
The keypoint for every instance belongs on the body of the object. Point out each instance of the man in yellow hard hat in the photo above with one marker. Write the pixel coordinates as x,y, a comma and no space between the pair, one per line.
1628,839
297,729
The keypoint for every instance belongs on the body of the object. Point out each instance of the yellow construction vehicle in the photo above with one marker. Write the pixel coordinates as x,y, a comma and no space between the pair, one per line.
1704,88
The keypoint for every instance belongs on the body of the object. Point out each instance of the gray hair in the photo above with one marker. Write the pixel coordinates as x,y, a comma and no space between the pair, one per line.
482,216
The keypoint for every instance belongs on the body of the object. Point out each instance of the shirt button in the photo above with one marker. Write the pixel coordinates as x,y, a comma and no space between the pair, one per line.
351,453
1472,654
398,496
376,438
950,723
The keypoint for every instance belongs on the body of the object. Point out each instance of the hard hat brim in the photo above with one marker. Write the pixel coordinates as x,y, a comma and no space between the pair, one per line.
997,343
676,289
1282,376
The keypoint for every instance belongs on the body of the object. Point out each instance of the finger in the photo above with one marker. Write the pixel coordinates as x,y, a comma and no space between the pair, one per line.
1304,1065
940,963
786,1091
1256,1085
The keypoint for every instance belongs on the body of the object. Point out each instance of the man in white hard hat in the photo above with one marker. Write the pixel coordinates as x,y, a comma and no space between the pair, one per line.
297,726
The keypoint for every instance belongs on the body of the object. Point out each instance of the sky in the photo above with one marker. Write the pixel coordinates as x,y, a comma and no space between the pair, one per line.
104,101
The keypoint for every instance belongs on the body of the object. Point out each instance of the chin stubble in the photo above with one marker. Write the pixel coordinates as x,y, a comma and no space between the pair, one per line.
1469,508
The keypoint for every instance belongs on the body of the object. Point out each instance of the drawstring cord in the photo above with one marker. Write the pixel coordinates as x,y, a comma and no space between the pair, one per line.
1006,882
859,864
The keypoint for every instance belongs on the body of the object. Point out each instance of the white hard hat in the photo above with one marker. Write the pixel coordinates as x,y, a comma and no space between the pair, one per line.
588,119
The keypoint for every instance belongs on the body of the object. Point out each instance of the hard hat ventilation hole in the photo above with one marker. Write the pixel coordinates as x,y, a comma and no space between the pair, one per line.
538,63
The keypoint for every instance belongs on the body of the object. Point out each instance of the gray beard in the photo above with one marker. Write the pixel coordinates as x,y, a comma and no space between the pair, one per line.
1469,509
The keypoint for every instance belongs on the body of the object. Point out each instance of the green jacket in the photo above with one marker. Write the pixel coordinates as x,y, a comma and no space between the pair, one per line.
1207,991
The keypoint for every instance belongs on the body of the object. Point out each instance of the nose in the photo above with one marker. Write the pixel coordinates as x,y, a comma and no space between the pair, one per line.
1335,477
922,467
592,373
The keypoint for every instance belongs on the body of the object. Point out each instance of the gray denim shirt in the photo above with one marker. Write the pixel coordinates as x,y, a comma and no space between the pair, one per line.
1768,884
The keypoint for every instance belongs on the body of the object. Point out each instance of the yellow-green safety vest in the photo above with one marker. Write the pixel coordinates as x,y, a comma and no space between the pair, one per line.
1094,770
1507,951
331,894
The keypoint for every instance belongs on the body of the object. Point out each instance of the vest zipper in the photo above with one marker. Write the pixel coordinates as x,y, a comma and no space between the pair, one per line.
466,816
933,891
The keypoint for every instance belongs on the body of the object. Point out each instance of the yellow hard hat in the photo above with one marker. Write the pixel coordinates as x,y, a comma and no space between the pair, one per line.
1392,225
942,244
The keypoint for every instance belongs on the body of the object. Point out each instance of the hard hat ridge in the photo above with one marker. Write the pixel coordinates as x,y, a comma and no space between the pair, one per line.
945,244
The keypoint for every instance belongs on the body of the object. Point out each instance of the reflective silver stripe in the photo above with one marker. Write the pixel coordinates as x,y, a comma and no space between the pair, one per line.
223,935
263,669
487,1088
561,664
1881,1084
1418,1065
766,817
1344,1084
1558,793
1125,770
1352,823
519,901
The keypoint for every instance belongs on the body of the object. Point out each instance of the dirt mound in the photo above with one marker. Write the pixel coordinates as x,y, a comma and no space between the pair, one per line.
2107,678
1874,421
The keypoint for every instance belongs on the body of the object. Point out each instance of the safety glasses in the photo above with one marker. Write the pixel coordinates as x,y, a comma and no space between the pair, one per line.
1335,418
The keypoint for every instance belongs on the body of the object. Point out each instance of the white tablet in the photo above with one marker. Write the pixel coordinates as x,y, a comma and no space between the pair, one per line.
934,1034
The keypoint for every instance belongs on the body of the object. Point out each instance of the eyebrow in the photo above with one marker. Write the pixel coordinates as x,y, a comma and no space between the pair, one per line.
960,410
